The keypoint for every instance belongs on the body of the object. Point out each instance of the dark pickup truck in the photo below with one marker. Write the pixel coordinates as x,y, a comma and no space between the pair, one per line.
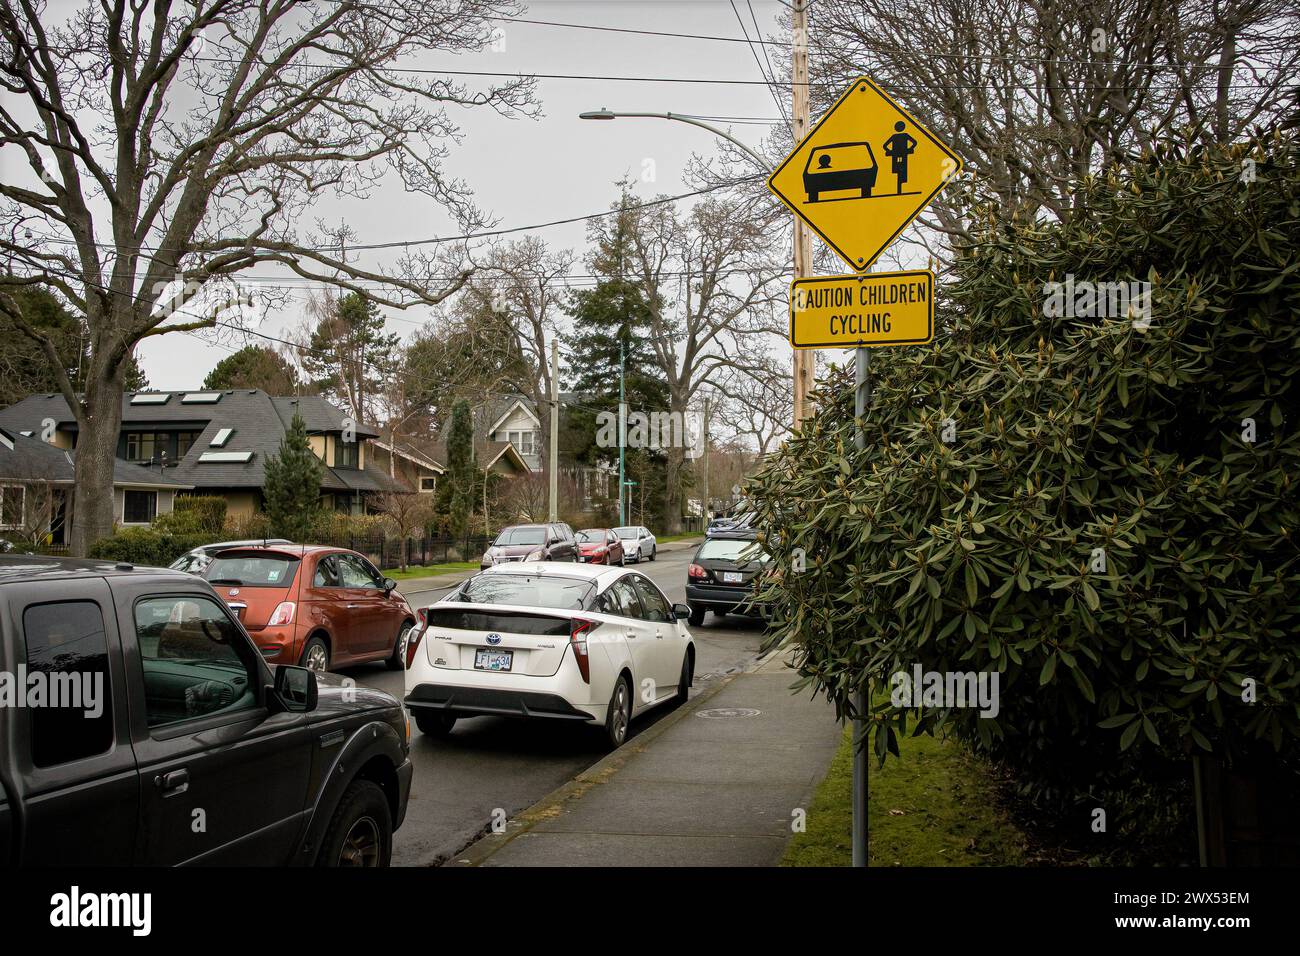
140,725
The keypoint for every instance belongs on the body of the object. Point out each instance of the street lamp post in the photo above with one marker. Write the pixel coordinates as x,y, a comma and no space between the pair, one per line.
604,114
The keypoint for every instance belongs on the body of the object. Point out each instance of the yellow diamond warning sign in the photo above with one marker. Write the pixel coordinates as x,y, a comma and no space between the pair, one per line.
864,172
883,308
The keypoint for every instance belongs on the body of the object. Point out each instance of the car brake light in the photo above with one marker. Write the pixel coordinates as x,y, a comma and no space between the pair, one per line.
695,571
578,638
417,634
283,614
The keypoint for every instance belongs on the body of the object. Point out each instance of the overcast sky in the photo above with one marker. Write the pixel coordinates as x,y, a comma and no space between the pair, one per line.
555,167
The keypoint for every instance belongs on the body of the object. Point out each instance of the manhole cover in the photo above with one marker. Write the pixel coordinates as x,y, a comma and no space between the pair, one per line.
719,713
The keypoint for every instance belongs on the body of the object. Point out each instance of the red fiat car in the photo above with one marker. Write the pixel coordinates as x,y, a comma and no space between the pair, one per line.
314,606
599,546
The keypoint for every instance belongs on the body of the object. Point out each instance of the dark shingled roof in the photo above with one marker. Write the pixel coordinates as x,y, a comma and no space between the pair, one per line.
31,459
258,421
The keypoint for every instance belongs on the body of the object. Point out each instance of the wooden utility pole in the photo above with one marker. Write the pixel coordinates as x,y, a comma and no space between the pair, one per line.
803,358
553,496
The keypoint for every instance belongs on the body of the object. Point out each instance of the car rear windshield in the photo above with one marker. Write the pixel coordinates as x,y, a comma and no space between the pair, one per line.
729,549
528,590
253,570
521,536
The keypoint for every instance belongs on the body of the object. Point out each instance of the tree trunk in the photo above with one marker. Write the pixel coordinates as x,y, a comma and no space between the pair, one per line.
95,454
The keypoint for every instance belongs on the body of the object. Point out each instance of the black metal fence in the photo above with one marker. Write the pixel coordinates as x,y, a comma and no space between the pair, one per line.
385,550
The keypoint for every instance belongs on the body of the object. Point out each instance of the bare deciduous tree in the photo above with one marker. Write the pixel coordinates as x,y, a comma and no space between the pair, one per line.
526,282
407,512
169,147
713,291
1036,94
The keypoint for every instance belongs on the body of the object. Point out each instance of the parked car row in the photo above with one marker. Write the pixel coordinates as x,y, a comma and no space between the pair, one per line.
556,541
218,692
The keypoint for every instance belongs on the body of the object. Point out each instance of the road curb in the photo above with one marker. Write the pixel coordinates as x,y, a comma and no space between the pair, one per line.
601,771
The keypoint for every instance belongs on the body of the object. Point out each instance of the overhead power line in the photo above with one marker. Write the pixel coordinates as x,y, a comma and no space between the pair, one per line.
439,240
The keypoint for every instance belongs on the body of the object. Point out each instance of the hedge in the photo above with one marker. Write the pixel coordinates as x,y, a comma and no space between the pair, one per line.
1104,514
149,547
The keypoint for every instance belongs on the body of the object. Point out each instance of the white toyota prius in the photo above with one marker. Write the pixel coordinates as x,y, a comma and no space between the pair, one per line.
575,642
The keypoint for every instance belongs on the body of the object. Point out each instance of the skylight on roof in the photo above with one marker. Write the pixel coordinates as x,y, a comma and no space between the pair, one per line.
225,457
150,398
221,437
201,398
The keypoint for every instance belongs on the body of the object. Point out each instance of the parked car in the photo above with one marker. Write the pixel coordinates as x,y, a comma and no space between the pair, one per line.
721,575
586,643
182,719
638,542
531,542
319,607
742,517
600,546
194,562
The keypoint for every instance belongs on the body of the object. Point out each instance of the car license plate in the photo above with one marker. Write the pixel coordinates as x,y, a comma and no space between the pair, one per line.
583,558
489,660
732,577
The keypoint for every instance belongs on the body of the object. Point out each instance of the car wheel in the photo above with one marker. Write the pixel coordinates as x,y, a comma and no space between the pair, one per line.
361,832
397,660
619,714
315,656
653,551
697,616
435,725
684,683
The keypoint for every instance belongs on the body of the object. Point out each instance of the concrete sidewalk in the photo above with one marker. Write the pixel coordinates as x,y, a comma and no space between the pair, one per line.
690,790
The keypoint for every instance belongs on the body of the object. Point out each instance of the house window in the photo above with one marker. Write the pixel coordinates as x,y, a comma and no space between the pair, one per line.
184,442
11,506
139,507
523,441
347,454
428,484
140,446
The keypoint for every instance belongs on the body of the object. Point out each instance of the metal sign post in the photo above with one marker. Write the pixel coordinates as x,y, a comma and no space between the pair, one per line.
861,399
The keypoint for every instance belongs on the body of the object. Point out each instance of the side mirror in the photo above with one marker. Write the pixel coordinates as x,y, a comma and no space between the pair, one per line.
389,585
294,689
681,611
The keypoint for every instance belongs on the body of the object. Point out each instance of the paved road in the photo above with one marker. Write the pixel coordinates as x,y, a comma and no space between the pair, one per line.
492,764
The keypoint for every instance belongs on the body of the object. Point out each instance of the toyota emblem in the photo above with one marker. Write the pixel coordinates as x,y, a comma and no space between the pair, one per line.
494,638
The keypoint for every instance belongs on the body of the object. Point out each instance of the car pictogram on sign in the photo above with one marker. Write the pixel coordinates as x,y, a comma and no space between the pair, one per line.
840,166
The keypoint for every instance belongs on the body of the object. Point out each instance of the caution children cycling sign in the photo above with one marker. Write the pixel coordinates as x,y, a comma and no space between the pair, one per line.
863,173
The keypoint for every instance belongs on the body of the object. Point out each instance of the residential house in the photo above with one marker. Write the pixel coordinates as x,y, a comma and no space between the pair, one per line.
407,462
514,419
36,480
218,442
